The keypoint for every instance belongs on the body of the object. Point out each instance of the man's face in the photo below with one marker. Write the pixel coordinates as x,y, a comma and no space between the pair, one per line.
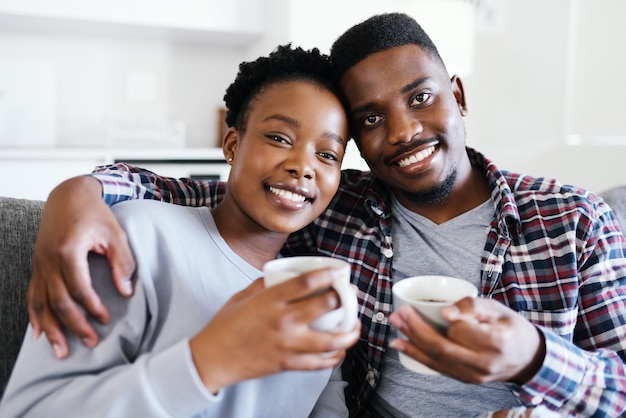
406,116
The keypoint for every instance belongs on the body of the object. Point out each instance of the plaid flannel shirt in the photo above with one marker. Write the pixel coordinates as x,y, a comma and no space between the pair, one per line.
554,253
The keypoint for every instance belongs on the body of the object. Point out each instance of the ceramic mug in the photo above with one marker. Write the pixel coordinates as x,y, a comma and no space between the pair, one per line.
428,295
342,319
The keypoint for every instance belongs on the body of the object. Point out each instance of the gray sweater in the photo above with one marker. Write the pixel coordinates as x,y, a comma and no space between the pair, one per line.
142,365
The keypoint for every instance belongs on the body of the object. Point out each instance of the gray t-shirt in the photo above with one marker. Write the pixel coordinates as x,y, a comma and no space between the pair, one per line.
453,248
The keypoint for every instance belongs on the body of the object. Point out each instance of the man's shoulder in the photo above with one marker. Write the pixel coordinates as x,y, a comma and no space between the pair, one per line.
546,186
550,193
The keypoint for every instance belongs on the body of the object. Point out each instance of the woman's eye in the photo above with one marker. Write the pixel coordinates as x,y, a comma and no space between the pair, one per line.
278,139
420,98
328,156
371,120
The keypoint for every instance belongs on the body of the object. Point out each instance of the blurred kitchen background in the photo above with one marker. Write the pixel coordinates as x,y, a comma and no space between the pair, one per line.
84,83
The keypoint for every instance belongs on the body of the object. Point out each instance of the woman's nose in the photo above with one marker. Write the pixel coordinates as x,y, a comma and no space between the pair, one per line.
300,165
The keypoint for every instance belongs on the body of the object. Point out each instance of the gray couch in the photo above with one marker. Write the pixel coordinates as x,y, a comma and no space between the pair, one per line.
19,220
18,228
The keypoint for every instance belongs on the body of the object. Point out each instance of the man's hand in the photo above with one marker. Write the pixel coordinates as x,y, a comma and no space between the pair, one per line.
486,342
74,222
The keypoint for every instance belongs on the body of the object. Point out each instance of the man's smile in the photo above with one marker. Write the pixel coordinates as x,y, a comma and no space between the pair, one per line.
417,157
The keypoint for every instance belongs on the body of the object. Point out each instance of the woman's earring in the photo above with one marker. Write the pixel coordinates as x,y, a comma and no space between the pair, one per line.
230,160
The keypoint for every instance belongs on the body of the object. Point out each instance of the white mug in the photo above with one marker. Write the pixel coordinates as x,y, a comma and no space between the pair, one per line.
428,295
342,319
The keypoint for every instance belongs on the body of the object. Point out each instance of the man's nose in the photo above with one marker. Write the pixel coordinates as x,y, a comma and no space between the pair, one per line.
402,127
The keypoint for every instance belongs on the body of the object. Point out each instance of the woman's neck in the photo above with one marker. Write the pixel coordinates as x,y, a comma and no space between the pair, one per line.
246,238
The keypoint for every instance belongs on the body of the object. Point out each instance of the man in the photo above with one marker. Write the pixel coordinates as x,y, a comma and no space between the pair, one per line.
549,329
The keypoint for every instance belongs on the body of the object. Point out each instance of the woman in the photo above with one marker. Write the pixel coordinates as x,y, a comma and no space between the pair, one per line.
201,336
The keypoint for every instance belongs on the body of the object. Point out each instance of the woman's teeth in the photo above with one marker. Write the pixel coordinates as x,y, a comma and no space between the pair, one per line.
284,194
416,157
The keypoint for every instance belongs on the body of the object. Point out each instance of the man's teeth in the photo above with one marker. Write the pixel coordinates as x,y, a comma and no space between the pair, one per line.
416,157
284,194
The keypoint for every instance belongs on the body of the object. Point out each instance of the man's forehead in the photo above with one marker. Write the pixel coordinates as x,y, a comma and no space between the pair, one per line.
394,68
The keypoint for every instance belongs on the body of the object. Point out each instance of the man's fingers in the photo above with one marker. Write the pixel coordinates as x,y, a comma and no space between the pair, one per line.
66,311
55,336
39,315
35,300
474,309
75,270
122,263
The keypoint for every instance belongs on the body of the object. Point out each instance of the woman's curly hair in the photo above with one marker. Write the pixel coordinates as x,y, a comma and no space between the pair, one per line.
283,64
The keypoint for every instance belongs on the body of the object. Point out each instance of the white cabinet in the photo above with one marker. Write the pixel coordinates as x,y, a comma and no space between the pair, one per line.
35,178
103,10
33,173
227,22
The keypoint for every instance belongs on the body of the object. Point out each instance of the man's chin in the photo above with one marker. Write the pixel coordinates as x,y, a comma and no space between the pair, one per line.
434,196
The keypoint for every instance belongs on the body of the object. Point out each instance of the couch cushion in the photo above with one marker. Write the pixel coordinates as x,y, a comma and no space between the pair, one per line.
19,220
616,198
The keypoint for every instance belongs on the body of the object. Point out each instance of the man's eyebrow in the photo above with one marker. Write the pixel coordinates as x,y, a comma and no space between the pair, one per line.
403,90
414,84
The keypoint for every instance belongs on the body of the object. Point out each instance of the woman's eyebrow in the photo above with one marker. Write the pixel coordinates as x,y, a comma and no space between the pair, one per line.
277,116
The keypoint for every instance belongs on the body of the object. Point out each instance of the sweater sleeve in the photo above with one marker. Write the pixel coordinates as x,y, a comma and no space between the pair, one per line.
115,378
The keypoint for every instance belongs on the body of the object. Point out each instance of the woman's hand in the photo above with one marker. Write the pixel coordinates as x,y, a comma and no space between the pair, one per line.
261,331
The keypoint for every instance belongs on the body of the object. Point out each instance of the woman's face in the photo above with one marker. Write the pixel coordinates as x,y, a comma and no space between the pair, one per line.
286,166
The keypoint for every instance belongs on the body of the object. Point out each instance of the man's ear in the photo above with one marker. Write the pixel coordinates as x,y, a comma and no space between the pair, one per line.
230,143
457,89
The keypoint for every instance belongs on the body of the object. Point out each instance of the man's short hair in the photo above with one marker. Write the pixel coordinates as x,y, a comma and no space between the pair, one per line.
378,33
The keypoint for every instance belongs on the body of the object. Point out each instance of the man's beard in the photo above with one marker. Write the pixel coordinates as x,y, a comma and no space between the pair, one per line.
435,195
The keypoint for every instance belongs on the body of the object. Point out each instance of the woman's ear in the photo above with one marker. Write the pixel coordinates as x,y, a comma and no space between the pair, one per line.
230,143
459,94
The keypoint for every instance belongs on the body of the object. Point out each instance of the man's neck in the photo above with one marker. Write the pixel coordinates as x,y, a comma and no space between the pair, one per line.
468,192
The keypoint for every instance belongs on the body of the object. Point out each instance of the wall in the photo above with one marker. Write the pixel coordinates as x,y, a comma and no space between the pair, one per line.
94,78
518,92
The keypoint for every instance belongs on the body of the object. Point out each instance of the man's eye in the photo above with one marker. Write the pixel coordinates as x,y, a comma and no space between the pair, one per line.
420,98
371,120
